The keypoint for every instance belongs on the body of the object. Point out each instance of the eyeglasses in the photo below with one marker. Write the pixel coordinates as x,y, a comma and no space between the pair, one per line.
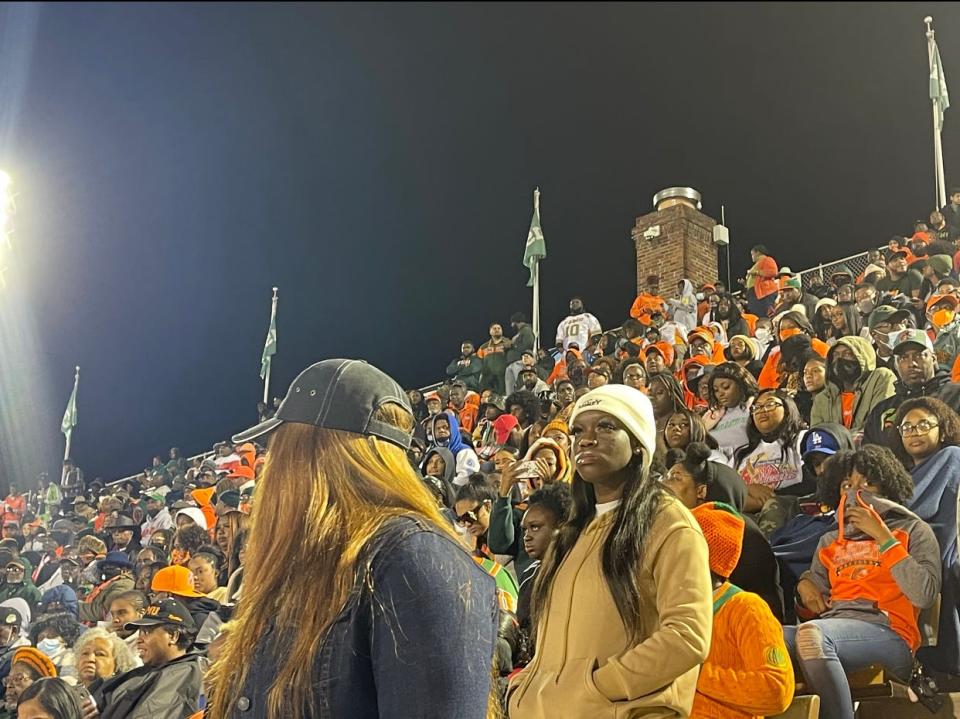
469,517
922,427
770,406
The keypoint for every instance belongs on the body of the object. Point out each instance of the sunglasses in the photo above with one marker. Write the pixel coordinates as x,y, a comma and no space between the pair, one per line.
470,517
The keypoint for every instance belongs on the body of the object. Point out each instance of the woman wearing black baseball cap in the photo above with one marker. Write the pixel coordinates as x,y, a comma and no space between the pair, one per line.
357,598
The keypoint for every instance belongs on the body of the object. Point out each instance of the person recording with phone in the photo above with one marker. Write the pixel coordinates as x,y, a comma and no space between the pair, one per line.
545,463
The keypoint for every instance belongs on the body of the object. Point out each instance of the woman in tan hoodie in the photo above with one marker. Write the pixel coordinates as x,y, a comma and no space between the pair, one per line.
622,605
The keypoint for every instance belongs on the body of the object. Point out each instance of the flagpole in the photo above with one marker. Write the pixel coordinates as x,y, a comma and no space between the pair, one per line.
266,379
939,181
69,435
536,283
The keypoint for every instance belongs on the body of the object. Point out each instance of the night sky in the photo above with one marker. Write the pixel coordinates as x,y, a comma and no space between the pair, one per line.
377,163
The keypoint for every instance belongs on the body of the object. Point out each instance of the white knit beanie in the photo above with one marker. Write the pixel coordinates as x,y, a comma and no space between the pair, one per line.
628,405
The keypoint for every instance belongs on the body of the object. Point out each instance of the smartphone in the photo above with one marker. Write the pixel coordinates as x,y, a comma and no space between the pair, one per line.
526,470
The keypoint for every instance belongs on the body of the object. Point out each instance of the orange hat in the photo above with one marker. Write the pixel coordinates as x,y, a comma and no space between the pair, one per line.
36,660
722,527
558,424
704,333
175,580
665,349
242,471
203,496
951,299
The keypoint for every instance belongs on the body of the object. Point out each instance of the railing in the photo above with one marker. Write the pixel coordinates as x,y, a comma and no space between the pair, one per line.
821,273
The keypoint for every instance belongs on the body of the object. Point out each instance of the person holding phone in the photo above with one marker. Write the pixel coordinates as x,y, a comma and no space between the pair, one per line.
545,463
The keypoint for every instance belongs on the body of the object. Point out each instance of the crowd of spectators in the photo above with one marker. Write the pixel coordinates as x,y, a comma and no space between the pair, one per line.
727,500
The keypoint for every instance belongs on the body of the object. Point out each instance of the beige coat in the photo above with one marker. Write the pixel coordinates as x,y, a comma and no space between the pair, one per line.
584,665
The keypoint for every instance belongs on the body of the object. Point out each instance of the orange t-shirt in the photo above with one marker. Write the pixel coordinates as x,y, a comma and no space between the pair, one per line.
846,404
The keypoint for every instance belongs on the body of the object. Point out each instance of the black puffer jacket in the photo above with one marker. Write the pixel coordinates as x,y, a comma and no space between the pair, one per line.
168,692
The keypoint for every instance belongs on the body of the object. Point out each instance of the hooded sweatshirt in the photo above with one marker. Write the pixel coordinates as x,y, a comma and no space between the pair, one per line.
196,514
886,587
449,468
466,459
685,308
754,365
873,386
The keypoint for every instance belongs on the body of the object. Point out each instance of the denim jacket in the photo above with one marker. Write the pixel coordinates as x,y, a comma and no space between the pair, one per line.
415,639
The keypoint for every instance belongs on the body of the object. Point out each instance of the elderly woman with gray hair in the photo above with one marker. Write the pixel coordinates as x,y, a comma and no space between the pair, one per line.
100,656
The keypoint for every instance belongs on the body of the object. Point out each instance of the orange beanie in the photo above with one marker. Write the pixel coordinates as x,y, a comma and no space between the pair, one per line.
36,660
722,527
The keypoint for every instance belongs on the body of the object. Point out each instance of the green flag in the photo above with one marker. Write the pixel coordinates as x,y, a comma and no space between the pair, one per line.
70,416
270,346
938,84
536,248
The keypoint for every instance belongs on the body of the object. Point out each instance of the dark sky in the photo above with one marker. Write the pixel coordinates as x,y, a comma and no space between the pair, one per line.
376,163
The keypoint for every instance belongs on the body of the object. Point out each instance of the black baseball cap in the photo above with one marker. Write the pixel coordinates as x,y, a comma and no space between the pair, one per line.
168,611
10,617
339,394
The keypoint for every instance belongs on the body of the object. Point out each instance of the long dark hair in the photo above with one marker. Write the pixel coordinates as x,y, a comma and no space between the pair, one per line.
55,696
734,372
672,386
786,434
698,430
623,548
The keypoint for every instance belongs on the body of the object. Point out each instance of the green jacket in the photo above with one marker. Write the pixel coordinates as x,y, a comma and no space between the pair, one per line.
25,591
505,535
469,375
523,342
874,386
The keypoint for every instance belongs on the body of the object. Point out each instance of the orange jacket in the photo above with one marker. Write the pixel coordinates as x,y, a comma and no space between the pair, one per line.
560,368
748,671
646,304
769,376
469,414
766,283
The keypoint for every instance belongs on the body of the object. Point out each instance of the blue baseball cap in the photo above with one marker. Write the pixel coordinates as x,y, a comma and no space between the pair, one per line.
818,441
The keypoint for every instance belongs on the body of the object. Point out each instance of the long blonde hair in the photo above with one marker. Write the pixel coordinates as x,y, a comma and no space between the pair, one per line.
323,495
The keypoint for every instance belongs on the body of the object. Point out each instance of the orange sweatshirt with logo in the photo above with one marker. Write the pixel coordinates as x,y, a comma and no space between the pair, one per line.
748,672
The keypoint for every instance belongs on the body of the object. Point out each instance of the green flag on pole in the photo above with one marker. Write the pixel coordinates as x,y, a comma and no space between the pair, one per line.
270,346
70,416
938,84
536,248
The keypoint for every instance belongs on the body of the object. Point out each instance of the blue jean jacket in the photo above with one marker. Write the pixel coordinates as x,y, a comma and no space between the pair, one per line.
415,642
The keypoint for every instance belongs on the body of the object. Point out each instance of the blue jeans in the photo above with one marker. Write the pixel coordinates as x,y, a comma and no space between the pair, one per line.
824,650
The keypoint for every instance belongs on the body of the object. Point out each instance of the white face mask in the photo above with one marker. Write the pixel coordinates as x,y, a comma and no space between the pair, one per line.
50,647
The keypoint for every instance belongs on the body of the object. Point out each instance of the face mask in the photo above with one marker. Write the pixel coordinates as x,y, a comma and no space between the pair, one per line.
787,334
941,318
50,647
865,307
847,370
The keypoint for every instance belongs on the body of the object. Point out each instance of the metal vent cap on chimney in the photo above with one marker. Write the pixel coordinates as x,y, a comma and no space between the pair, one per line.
677,196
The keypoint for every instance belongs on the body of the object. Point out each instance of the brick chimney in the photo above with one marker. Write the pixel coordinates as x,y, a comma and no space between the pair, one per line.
673,242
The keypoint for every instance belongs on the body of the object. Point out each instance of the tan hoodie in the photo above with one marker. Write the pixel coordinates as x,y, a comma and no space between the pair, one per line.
584,664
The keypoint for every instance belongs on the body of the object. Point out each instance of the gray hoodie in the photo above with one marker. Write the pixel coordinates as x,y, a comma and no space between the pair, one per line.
916,575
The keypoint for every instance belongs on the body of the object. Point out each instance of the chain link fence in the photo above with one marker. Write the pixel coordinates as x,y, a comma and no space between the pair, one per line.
820,274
